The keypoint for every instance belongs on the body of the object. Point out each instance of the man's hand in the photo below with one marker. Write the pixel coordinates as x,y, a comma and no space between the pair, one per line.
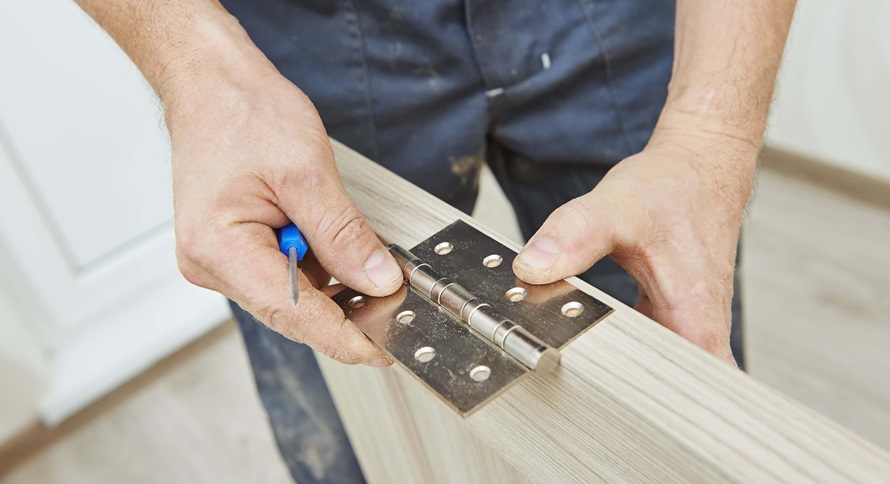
249,155
245,161
670,216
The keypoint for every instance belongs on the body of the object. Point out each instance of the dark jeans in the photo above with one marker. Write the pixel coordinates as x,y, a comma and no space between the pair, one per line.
549,94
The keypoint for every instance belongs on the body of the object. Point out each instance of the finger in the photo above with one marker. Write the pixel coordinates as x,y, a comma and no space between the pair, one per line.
571,240
705,332
643,293
249,268
335,229
694,310
314,270
333,290
644,307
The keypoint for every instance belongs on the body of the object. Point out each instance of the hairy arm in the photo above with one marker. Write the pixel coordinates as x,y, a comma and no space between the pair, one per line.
181,46
726,58
671,214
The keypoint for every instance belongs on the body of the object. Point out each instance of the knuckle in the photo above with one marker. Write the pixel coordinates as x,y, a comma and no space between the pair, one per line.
198,251
707,339
277,320
569,225
345,227
583,228
271,317
312,157
188,269
189,256
575,213
186,242
337,351
590,214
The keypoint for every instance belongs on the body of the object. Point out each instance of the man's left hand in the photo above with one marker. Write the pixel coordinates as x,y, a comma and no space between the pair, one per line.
671,217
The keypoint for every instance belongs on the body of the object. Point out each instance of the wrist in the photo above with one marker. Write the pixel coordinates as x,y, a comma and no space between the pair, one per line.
715,114
711,130
218,67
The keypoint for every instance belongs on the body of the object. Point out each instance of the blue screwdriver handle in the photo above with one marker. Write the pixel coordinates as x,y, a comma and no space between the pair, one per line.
291,236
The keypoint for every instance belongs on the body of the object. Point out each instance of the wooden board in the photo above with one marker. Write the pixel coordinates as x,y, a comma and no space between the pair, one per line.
631,400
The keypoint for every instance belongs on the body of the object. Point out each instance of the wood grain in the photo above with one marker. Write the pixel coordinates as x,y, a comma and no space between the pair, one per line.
631,401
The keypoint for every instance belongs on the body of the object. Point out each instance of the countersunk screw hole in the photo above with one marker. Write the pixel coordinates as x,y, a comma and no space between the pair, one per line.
480,373
572,309
444,248
357,302
405,317
517,294
425,354
492,261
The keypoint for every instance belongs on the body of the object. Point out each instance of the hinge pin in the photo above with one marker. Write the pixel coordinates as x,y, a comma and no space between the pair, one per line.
479,316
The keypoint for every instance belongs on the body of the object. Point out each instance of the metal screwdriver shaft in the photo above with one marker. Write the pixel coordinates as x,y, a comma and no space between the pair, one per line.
294,276
293,245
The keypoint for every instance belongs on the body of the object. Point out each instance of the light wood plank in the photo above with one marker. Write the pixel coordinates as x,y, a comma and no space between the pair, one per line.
631,401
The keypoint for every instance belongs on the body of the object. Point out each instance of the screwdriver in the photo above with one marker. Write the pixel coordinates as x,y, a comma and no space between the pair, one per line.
293,245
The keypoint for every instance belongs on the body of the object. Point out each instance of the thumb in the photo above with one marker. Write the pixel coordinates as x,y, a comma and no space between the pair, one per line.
573,238
338,235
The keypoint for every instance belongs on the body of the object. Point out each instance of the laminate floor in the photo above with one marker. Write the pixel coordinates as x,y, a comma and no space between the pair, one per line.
200,422
817,283
817,286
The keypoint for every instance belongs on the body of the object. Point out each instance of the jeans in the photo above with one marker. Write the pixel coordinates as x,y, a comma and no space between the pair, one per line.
549,94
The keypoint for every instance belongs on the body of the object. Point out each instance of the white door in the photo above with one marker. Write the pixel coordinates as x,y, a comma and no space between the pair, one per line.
85,205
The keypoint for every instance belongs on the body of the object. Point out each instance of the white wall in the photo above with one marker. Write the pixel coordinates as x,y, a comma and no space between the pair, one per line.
833,98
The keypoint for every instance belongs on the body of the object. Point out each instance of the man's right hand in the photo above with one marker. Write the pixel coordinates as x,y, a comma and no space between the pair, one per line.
249,155
247,158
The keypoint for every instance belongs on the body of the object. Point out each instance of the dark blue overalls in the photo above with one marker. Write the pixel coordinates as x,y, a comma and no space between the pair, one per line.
550,94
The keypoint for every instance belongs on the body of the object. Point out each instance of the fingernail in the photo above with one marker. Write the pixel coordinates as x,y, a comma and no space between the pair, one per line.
540,254
380,362
382,269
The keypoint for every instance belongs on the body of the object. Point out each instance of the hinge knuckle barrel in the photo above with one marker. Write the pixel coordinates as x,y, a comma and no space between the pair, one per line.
484,321
438,288
424,279
454,298
479,316
466,313
501,332
406,260
529,350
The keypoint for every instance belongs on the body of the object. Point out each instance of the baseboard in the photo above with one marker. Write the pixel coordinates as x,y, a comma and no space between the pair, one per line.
850,183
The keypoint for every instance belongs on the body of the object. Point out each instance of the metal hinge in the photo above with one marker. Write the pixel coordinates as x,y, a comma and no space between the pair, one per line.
464,324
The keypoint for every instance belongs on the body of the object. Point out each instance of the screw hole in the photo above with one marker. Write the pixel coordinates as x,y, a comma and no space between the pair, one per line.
444,248
357,302
516,294
480,373
405,317
493,260
572,309
425,354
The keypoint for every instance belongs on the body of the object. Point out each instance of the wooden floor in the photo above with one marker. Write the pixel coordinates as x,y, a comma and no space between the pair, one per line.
197,422
818,315
817,269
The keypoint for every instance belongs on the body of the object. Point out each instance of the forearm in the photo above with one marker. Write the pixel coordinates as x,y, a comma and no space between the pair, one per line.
726,58
182,47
